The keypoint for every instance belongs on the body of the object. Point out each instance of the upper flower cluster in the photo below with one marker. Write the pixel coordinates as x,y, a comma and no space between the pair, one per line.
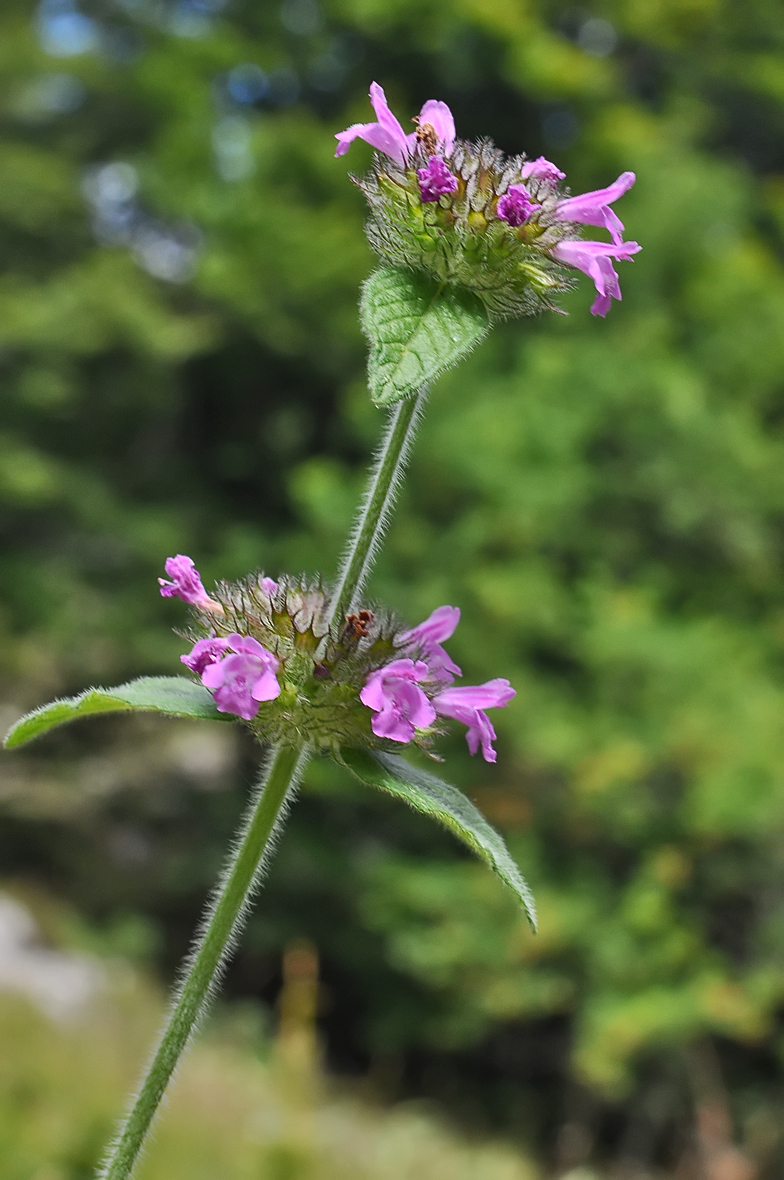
266,653
462,212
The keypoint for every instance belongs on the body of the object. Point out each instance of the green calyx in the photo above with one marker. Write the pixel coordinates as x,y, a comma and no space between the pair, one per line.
322,668
459,240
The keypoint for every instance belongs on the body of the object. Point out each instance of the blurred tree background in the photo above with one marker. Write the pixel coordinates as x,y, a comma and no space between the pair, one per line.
182,371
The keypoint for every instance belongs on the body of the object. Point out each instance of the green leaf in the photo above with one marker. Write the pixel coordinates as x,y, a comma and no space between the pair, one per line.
428,794
417,329
158,694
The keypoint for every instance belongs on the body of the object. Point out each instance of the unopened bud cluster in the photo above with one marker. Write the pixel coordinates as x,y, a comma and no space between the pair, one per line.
265,650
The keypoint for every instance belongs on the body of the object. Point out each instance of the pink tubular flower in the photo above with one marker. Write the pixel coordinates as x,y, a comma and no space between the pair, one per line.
205,652
541,169
399,704
269,586
516,206
440,625
436,180
239,682
594,208
468,705
593,258
185,583
386,135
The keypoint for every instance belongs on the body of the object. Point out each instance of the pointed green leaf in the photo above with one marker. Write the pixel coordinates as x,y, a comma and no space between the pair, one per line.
428,794
158,694
417,329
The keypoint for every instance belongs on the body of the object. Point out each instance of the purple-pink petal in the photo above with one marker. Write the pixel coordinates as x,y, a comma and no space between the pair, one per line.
386,134
268,586
541,169
374,693
516,206
391,724
441,119
481,733
205,652
594,208
185,582
399,705
266,688
230,682
440,625
468,704
374,134
247,645
435,180
493,694
440,665
406,709
240,681
437,627
388,121
594,259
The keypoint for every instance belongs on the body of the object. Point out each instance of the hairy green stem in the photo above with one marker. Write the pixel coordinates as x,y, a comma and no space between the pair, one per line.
220,929
225,915
377,503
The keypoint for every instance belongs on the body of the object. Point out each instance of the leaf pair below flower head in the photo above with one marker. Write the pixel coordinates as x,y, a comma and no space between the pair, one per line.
417,329
179,697
446,804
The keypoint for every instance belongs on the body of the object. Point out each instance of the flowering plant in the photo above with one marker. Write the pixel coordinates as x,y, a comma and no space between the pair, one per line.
465,237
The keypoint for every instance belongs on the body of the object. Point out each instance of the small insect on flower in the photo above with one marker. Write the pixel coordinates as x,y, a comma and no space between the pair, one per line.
265,651
426,136
463,213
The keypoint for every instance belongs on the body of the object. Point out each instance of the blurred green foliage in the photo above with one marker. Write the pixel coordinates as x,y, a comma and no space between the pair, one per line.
182,371
244,1107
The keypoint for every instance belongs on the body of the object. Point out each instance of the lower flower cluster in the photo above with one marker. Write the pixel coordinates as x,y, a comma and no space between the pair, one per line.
266,652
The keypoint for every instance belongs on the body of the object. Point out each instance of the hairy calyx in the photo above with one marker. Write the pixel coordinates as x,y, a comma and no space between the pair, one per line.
503,228
264,649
